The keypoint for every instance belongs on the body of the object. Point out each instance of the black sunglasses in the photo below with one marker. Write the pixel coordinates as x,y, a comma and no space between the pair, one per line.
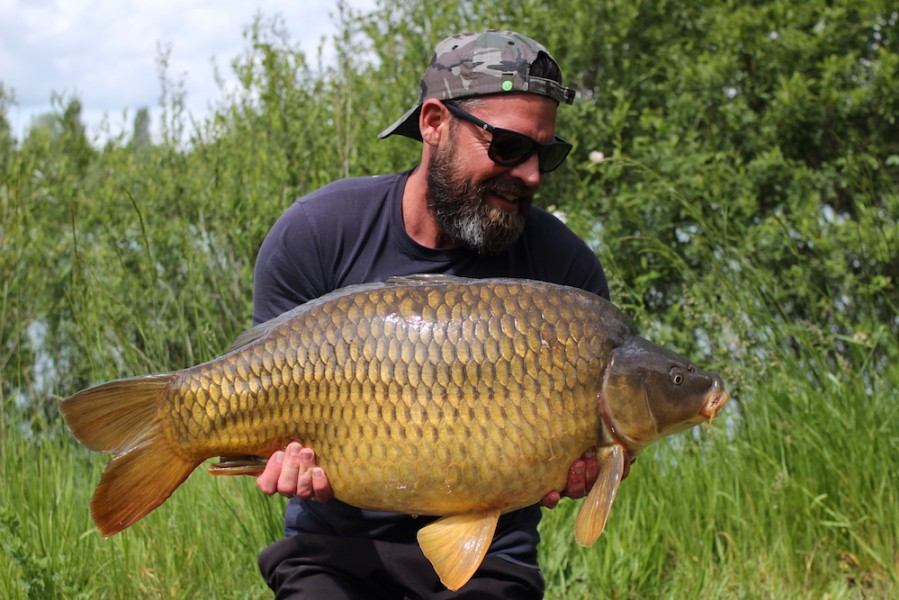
510,148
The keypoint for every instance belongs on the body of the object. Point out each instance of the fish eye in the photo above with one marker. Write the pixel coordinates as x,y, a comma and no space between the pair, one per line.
676,376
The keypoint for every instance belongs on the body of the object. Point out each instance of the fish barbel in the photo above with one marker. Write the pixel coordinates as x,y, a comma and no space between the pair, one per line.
429,395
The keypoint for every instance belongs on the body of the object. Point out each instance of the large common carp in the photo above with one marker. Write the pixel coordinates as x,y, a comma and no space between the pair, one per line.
459,398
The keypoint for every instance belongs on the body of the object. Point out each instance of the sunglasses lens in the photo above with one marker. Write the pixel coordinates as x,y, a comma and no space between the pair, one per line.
551,156
509,148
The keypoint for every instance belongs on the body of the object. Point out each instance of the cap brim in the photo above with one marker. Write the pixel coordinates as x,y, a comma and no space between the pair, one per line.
406,125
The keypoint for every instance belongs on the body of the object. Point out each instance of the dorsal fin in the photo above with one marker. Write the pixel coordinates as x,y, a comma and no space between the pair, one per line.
260,331
425,278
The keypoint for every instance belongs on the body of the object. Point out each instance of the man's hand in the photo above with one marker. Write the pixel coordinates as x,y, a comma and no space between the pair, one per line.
581,477
293,472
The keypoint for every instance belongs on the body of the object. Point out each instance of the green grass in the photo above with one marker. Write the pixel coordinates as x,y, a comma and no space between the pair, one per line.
202,544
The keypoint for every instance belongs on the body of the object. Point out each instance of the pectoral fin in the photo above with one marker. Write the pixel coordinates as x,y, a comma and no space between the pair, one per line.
456,545
591,518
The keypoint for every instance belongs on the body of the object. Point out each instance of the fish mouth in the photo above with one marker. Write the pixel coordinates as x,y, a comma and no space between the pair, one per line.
718,398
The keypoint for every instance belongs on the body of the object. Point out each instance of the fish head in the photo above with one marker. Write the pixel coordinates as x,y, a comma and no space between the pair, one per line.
649,392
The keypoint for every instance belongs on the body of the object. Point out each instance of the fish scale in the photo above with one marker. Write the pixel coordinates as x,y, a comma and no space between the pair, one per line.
427,395
450,391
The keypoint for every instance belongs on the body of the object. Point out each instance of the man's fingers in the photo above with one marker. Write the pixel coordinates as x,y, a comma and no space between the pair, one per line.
293,472
551,500
267,482
295,479
591,469
321,487
577,484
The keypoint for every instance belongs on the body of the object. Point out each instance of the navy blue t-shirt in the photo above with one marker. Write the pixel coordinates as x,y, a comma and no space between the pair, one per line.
351,231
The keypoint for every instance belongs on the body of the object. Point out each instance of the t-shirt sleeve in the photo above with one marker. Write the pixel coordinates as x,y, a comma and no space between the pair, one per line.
563,257
587,273
288,269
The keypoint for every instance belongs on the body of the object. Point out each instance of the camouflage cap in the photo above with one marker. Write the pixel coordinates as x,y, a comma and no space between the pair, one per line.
480,64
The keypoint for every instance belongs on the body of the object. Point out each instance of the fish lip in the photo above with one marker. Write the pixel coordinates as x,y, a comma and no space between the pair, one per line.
710,409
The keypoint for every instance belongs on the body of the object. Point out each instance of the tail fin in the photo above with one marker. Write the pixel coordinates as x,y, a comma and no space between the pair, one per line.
123,417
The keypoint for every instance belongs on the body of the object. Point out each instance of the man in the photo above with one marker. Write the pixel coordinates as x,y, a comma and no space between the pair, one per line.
486,117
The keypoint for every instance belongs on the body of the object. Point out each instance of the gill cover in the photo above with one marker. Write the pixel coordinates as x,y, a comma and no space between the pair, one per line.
650,392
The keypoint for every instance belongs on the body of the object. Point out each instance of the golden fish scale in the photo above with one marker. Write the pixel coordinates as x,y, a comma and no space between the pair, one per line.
420,398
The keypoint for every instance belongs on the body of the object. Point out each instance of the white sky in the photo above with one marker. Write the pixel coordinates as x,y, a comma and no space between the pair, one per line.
105,51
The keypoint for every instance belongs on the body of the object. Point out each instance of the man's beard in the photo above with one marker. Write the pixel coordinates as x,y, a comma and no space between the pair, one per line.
463,212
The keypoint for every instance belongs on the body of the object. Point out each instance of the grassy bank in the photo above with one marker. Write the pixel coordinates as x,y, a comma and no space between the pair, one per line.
201,546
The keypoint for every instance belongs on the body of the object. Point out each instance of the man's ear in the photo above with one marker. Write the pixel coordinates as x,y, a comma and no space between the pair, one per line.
433,121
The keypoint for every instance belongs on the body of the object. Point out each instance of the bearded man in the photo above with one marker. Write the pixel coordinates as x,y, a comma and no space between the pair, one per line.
486,117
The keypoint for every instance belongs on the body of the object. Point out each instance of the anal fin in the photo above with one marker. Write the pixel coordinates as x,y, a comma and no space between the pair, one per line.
238,465
456,545
592,516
